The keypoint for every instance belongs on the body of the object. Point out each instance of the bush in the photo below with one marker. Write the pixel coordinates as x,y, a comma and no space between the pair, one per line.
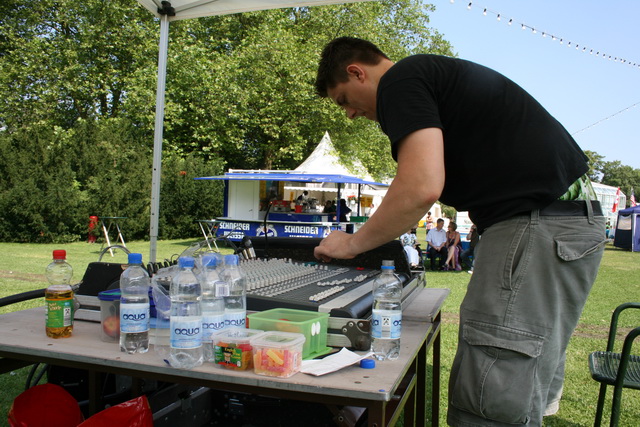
54,179
39,193
184,200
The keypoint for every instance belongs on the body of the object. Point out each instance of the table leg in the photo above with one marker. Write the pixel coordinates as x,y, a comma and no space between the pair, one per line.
106,236
214,231
421,385
204,233
95,392
435,390
120,235
376,414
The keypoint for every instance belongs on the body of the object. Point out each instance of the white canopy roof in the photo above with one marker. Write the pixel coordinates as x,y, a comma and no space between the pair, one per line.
185,9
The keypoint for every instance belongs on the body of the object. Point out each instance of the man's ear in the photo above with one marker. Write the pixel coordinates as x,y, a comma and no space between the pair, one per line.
356,71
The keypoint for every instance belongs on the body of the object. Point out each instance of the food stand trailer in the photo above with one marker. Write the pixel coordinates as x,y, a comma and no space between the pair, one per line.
255,205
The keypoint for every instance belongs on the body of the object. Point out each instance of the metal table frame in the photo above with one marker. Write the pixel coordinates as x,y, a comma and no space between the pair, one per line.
209,228
107,223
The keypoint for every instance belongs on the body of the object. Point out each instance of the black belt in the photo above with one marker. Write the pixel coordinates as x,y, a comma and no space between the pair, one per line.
571,208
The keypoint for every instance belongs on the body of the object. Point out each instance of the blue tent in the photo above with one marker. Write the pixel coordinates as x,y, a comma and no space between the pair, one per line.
628,229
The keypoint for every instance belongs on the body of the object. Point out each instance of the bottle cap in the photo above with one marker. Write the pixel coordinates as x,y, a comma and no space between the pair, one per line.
135,258
231,259
367,363
59,254
209,260
185,262
388,263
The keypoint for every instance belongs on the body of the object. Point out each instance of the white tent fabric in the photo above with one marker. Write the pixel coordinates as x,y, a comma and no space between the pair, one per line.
324,159
185,9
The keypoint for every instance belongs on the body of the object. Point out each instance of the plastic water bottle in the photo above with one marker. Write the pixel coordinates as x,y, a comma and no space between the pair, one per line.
214,289
235,304
185,323
134,306
386,320
59,296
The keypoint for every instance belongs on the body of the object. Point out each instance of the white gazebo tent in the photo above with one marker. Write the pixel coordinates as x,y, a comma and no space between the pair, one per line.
176,10
324,159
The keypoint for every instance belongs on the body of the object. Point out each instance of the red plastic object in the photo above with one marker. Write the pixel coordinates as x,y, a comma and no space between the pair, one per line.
45,405
132,413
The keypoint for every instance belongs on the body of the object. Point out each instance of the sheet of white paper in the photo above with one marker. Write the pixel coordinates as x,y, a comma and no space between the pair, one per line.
332,363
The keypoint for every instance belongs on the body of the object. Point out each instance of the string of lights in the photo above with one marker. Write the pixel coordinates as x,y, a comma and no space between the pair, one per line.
606,118
562,40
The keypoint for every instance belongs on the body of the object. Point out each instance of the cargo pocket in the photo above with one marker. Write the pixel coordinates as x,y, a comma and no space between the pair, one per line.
571,247
496,377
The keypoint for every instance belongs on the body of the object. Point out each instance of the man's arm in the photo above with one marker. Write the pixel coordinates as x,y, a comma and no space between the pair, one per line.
416,186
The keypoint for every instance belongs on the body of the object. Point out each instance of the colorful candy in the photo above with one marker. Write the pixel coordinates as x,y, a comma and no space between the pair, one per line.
278,354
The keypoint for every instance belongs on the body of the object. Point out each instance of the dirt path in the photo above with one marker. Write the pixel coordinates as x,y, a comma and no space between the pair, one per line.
25,277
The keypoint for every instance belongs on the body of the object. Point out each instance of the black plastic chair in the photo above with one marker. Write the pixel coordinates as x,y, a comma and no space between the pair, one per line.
621,370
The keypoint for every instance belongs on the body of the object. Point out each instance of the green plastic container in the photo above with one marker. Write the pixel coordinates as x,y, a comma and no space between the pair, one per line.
311,324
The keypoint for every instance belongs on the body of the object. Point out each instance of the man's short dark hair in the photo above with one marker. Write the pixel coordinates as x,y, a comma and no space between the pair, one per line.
339,53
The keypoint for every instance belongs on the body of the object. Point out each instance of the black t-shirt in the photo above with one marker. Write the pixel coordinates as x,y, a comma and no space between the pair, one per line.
504,153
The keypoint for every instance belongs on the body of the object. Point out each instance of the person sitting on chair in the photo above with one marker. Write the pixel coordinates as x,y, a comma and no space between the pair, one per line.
409,243
453,248
436,240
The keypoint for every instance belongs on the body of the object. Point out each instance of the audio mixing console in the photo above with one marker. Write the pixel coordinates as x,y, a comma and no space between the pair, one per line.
286,275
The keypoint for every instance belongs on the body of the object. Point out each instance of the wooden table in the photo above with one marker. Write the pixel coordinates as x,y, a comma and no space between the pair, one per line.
384,391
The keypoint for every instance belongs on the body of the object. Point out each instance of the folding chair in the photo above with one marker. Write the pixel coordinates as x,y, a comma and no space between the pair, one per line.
621,370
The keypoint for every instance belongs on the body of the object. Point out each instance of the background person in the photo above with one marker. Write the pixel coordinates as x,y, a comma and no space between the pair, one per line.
465,256
437,244
453,248
428,221
548,240
409,243
344,210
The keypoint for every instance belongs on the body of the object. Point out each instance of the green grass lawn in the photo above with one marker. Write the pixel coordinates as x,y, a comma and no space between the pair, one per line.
22,269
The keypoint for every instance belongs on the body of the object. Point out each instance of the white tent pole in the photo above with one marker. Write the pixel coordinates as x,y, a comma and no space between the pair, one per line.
163,48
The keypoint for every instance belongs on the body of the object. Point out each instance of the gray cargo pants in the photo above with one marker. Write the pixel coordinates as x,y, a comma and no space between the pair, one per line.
531,279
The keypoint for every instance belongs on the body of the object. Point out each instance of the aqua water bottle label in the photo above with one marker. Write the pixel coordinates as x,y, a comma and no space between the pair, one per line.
235,318
134,318
211,325
186,331
386,324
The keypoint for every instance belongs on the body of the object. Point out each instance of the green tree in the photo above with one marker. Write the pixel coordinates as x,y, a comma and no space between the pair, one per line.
252,99
67,60
37,205
596,162
77,84
618,175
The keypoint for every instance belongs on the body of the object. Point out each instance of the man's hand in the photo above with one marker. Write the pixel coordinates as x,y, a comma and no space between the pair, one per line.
335,245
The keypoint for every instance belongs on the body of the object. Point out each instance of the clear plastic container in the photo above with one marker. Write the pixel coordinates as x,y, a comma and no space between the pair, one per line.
232,348
311,324
277,354
110,315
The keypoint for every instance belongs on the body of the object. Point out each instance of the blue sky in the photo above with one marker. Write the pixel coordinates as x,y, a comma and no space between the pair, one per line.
577,88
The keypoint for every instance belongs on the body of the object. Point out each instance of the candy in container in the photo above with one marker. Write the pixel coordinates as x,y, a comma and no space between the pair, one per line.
277,354
232,348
